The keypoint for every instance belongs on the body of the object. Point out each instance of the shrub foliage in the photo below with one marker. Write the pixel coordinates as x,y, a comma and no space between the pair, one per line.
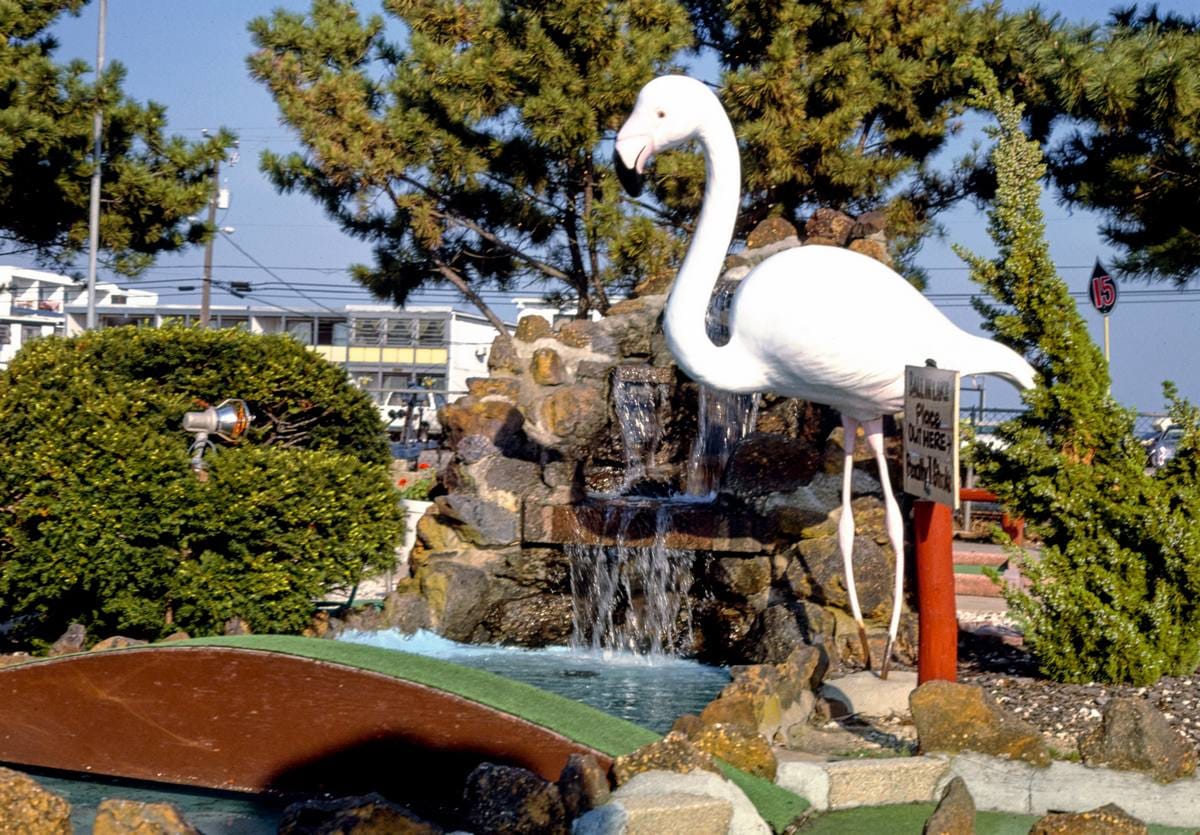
1116,593
103,522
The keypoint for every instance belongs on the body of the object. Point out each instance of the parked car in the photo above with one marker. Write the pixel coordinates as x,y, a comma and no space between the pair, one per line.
1163,447
413,416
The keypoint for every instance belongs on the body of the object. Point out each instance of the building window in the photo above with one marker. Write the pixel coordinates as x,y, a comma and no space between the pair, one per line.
331,332
301,331
400,333
368,332
242,323
114,320
432,332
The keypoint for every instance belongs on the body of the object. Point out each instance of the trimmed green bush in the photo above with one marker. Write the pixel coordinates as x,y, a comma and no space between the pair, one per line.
103,522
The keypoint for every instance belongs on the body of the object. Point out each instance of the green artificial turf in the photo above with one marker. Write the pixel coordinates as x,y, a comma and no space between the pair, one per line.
968,569
911,817
574,720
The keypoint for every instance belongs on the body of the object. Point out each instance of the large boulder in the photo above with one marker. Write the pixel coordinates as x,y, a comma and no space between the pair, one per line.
582,785
1109,819
369,814
745,819
674,752
954,717
478,521
763,464
73,640
538,620
494,419
27,807
816,573
1134,736
768,699
514,801
749,752
955,812
133,817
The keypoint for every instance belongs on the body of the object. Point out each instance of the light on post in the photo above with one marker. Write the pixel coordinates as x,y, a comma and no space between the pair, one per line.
228,420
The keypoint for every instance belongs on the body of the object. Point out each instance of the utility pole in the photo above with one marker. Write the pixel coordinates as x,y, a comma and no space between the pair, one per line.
206,288
94,200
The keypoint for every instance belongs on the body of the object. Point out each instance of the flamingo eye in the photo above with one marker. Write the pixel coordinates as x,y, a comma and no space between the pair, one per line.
662,114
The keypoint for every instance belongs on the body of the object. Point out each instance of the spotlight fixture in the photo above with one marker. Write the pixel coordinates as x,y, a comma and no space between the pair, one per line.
228,420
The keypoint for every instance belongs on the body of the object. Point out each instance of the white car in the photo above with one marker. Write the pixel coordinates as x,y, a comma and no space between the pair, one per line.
1163,446
414,414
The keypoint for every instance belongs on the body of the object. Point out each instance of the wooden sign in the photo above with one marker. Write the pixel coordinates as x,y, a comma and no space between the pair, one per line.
931,434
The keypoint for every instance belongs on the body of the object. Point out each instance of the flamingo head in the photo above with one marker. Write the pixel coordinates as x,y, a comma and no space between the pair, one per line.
669,112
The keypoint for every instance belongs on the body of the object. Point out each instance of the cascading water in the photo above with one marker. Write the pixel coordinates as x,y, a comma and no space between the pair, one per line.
630,597
634,597
723,419
637,399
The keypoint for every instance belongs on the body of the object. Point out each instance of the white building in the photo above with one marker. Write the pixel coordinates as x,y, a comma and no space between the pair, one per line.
419,354
31,303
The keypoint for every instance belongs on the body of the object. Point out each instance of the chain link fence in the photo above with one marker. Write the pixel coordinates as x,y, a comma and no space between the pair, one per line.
1146,425
979,517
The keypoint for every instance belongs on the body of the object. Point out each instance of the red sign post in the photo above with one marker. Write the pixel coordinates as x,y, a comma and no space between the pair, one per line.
931,475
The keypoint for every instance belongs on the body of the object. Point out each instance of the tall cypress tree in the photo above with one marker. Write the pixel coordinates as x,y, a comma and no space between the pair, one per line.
1116,593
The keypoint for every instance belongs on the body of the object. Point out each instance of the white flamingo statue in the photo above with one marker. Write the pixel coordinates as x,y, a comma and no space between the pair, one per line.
816,322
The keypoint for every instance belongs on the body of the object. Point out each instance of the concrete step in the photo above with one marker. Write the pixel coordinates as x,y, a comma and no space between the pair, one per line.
980,585
976,556
976,585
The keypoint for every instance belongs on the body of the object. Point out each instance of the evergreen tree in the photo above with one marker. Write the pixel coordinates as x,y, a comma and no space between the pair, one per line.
468,155
1116,593
150,182
1132,91
841,103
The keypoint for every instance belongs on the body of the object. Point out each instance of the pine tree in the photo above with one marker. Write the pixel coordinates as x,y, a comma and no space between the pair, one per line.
1116,593
468,155
1131,93
151,182
841,103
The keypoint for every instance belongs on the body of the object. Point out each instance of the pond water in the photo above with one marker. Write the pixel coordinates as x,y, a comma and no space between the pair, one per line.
651,691
213,813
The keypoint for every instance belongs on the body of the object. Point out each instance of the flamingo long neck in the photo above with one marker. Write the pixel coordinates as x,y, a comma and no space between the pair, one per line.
722,367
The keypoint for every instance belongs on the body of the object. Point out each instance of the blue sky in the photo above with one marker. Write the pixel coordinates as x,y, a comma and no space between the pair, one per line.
192,59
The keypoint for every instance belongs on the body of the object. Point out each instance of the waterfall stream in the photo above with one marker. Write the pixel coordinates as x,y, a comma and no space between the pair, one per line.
629,590
631,597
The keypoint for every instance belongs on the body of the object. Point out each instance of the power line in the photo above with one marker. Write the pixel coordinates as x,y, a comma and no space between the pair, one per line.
268,271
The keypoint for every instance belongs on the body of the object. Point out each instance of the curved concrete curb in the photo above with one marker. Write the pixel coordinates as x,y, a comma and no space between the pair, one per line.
1011,786
995,784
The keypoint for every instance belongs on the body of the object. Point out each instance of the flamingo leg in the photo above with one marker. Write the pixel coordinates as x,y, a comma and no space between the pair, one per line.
873,429
846,532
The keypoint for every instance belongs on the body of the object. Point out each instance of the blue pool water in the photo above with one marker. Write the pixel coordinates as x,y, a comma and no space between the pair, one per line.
649,691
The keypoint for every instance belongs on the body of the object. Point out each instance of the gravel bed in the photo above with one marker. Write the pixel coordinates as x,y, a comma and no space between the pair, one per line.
1062,712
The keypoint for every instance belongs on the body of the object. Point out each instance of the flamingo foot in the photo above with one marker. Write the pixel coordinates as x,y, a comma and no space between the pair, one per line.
866,646
887,659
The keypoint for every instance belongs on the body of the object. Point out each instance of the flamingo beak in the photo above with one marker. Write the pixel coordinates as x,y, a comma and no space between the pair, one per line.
629,159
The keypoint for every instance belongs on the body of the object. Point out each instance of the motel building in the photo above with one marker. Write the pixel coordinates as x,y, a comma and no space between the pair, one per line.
421,355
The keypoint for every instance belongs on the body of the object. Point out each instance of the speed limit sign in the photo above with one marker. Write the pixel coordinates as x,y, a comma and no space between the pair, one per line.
1103,290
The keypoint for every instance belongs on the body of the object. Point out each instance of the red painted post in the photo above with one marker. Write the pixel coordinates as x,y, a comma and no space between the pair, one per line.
937,652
